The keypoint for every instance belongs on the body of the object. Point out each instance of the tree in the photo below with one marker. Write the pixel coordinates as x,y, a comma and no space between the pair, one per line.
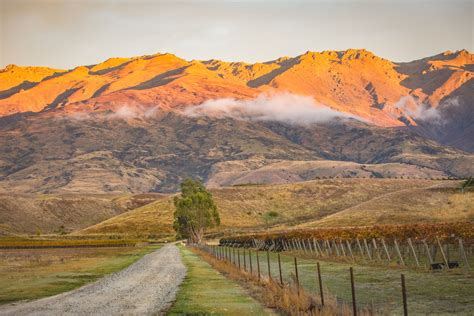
195,211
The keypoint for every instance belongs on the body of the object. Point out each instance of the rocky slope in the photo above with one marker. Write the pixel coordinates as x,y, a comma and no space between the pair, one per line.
124,125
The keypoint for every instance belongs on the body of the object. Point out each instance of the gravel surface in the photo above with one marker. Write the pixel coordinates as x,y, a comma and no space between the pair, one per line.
146,287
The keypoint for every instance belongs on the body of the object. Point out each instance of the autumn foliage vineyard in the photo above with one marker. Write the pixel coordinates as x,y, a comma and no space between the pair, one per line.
447,232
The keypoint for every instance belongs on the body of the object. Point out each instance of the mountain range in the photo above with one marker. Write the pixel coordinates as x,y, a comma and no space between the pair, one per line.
143,124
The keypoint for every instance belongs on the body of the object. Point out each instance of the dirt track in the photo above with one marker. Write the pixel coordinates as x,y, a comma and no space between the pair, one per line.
146,287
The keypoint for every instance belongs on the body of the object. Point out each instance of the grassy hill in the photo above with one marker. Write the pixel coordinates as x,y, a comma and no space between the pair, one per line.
44,214
256,207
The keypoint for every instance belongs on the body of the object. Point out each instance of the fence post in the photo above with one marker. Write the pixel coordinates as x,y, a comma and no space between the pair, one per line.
268,265
354,304
442,253
376,249
400,254
404,295
367,249
279,269
245,262
360,248
258,266
238,255
297,277
320,285
463,253
414,252
386,250
350,249
428,252
250,261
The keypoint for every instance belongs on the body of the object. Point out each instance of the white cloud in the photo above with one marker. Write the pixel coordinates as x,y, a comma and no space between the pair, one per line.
284,107
422,112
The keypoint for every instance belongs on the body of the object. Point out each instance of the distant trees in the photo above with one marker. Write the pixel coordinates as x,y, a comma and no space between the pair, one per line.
195,211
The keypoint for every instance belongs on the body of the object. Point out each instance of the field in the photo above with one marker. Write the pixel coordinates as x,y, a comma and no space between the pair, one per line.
39,214
34,273
377,288
308,204
206,291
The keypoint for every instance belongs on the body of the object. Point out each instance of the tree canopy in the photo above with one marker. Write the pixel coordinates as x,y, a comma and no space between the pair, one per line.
195,211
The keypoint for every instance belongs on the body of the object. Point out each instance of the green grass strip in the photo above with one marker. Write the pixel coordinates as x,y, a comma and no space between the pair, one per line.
205,291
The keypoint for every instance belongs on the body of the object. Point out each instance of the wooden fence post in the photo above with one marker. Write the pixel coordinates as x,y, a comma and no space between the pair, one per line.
268,265
342,248
376,249
350,249
297,277
279,269
386,250
367,249
258,266
428,252
245,262
319,248
238,255
354,304
337,248
316,250
398,252
414,252
442,253
250,261
320,285
361,251
463,253
328,247
404,296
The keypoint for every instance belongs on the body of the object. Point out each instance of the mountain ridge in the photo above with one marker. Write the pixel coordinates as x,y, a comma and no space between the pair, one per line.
124,125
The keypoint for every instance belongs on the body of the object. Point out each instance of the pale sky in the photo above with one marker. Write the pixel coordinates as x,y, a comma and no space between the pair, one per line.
65,34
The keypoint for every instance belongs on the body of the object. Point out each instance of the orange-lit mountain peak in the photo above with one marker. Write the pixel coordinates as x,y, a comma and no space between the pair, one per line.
109,64
12,76
353,81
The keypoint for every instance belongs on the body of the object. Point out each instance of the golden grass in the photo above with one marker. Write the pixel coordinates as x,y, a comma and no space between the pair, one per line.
287,298
243,208
36,273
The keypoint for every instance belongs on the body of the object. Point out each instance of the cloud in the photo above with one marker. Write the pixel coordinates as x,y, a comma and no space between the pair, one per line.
128,112
284,107
422,112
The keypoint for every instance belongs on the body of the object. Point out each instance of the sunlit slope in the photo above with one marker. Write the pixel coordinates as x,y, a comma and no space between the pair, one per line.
308,203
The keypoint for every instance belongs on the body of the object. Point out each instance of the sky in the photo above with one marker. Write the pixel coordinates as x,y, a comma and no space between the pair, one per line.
68,33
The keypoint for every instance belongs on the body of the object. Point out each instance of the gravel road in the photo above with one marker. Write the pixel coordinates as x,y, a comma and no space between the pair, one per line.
146,287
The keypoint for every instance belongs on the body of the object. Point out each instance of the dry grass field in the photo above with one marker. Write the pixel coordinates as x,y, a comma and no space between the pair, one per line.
34,273
62,213
311,203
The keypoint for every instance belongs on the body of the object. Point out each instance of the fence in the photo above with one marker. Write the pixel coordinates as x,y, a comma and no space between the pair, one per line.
284,270
407,253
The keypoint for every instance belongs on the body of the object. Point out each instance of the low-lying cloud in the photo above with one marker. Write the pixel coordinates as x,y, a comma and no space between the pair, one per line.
422,112
285,107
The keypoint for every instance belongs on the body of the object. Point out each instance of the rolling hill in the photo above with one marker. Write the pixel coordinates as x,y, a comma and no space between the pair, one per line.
335,202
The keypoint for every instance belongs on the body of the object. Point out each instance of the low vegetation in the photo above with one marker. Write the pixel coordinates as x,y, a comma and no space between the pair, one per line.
360,202
24,243
205,291
35,273
429,232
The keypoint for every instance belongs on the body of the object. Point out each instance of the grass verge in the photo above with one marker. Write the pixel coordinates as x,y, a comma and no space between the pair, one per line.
205,291
379,288
27,274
